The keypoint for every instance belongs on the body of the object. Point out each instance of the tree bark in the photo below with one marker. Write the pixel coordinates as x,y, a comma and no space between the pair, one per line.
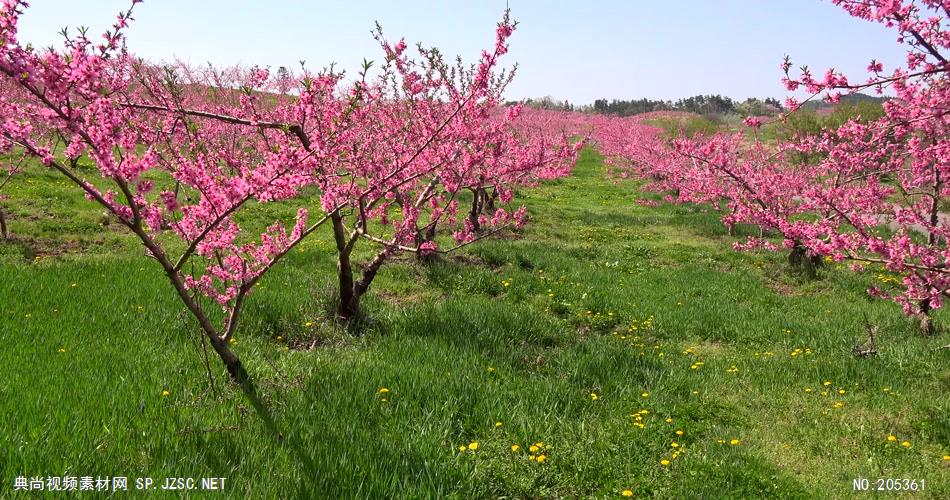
3,226
348,306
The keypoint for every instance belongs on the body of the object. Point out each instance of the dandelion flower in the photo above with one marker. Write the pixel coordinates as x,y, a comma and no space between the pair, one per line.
541,458
165,393
628,493
946,458
498,424
664,462
905,444
826,383
841,391
308,324
515,448
892,438
533,448
491,369
839,404
674,444
645,395
462,447
679,432
473,445
669,420
593,396
383,390
734,442
808,389
62,349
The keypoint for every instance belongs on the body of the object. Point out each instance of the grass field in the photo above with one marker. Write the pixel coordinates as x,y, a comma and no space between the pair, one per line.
630,344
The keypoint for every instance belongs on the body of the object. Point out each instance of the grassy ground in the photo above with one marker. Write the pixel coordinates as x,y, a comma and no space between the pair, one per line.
630,344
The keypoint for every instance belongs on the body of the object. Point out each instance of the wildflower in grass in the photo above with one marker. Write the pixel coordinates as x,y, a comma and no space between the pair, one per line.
824,393
28,316
165,393
515,448
892,438
946,458
534,448
531,457
838,405
308,324
674,444
841,391
669,420
695,392
720,441
679,432
626,493
382,390
462,447
279,338
826,383
541,458
498,424
733,369
645,395
473,445
808,389
734,442
491,369
664,462
74,285
61,349
905,444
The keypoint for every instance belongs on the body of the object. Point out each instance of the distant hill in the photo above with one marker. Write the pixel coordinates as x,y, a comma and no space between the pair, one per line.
818,104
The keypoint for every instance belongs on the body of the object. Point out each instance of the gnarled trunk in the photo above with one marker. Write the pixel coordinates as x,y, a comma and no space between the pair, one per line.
3,226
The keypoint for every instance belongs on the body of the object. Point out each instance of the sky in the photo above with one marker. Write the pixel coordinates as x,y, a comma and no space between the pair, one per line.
579,51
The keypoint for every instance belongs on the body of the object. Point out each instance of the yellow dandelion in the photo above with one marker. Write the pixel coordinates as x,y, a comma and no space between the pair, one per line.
61,349
462,447
679,432
308,324
531,457
808,389
669,420
734,442
491,369
905,444
382,390
626,493
533,448
515,448
594,397
664,462
674,444
946,458
233,341
892,438
839,404
645,395
498,424
841,391
826,383
473,445
541,458
165,393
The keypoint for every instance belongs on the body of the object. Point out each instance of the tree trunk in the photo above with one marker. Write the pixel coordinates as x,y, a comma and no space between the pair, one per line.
3,226
799,260
231,362
348,306
926,323
476,210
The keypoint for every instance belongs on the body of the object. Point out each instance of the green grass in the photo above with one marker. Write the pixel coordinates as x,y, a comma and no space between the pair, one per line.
598,295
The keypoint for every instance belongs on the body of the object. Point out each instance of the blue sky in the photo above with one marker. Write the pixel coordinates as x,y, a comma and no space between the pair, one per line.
578,51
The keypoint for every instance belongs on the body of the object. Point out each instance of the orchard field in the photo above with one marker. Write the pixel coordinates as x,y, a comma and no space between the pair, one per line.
596,312
248,282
